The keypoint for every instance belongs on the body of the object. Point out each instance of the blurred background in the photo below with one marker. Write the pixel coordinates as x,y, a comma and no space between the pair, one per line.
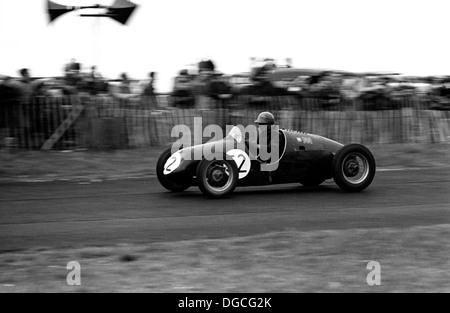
87,89
379,67
167,36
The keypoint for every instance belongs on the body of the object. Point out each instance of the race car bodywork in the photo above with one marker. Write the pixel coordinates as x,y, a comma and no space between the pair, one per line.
303,158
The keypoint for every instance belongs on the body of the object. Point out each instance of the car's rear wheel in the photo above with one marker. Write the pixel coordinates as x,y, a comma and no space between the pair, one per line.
165,180
217,177
353,168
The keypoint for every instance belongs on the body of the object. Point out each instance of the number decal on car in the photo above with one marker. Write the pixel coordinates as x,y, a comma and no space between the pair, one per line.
242,161
241,156
172,163
173,159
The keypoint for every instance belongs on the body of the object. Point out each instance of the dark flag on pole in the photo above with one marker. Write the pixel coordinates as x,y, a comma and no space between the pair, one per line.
120,11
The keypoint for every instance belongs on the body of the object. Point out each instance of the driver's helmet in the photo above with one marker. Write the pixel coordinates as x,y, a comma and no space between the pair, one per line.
265,118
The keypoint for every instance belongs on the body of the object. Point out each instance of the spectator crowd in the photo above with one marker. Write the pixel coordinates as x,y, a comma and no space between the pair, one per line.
74,81
265,78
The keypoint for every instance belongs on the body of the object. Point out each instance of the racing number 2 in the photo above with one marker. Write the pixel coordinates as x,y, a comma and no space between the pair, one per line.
173,160
242,161
172,163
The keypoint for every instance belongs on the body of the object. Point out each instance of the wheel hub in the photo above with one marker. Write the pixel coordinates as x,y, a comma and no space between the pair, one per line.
352,169
217,176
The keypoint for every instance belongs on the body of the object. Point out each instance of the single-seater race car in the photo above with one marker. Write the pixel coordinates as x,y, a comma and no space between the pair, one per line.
303,158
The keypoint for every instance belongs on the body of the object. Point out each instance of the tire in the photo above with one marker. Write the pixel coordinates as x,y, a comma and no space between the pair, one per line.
165,180
353,168
217,178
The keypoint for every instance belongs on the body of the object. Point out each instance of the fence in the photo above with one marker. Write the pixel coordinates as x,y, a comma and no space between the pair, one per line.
105,121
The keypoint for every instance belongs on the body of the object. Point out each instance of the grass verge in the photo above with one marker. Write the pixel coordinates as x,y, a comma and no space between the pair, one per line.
28,165
412,260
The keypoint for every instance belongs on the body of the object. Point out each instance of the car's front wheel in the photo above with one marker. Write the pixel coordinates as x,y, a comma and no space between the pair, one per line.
217,177
353,168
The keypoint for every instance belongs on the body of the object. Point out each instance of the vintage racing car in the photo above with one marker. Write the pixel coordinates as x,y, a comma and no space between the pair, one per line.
303,158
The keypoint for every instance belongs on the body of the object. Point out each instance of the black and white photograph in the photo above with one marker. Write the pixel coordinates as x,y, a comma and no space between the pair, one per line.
224,152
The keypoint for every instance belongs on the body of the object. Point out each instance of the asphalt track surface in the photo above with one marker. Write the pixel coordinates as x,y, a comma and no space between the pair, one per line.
67,214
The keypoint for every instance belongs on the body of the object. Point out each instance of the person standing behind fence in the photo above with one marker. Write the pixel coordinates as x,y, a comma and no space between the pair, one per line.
201,84
123,90
10,95
25,84
93,81
210,87
72,72
149,91
124,86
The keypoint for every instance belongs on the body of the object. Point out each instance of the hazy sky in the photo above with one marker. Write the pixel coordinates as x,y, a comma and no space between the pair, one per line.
408,36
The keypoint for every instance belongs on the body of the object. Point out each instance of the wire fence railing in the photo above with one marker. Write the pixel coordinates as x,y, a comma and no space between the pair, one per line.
76,122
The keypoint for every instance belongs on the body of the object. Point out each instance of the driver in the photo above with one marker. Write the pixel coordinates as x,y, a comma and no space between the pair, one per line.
267,120
264,133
